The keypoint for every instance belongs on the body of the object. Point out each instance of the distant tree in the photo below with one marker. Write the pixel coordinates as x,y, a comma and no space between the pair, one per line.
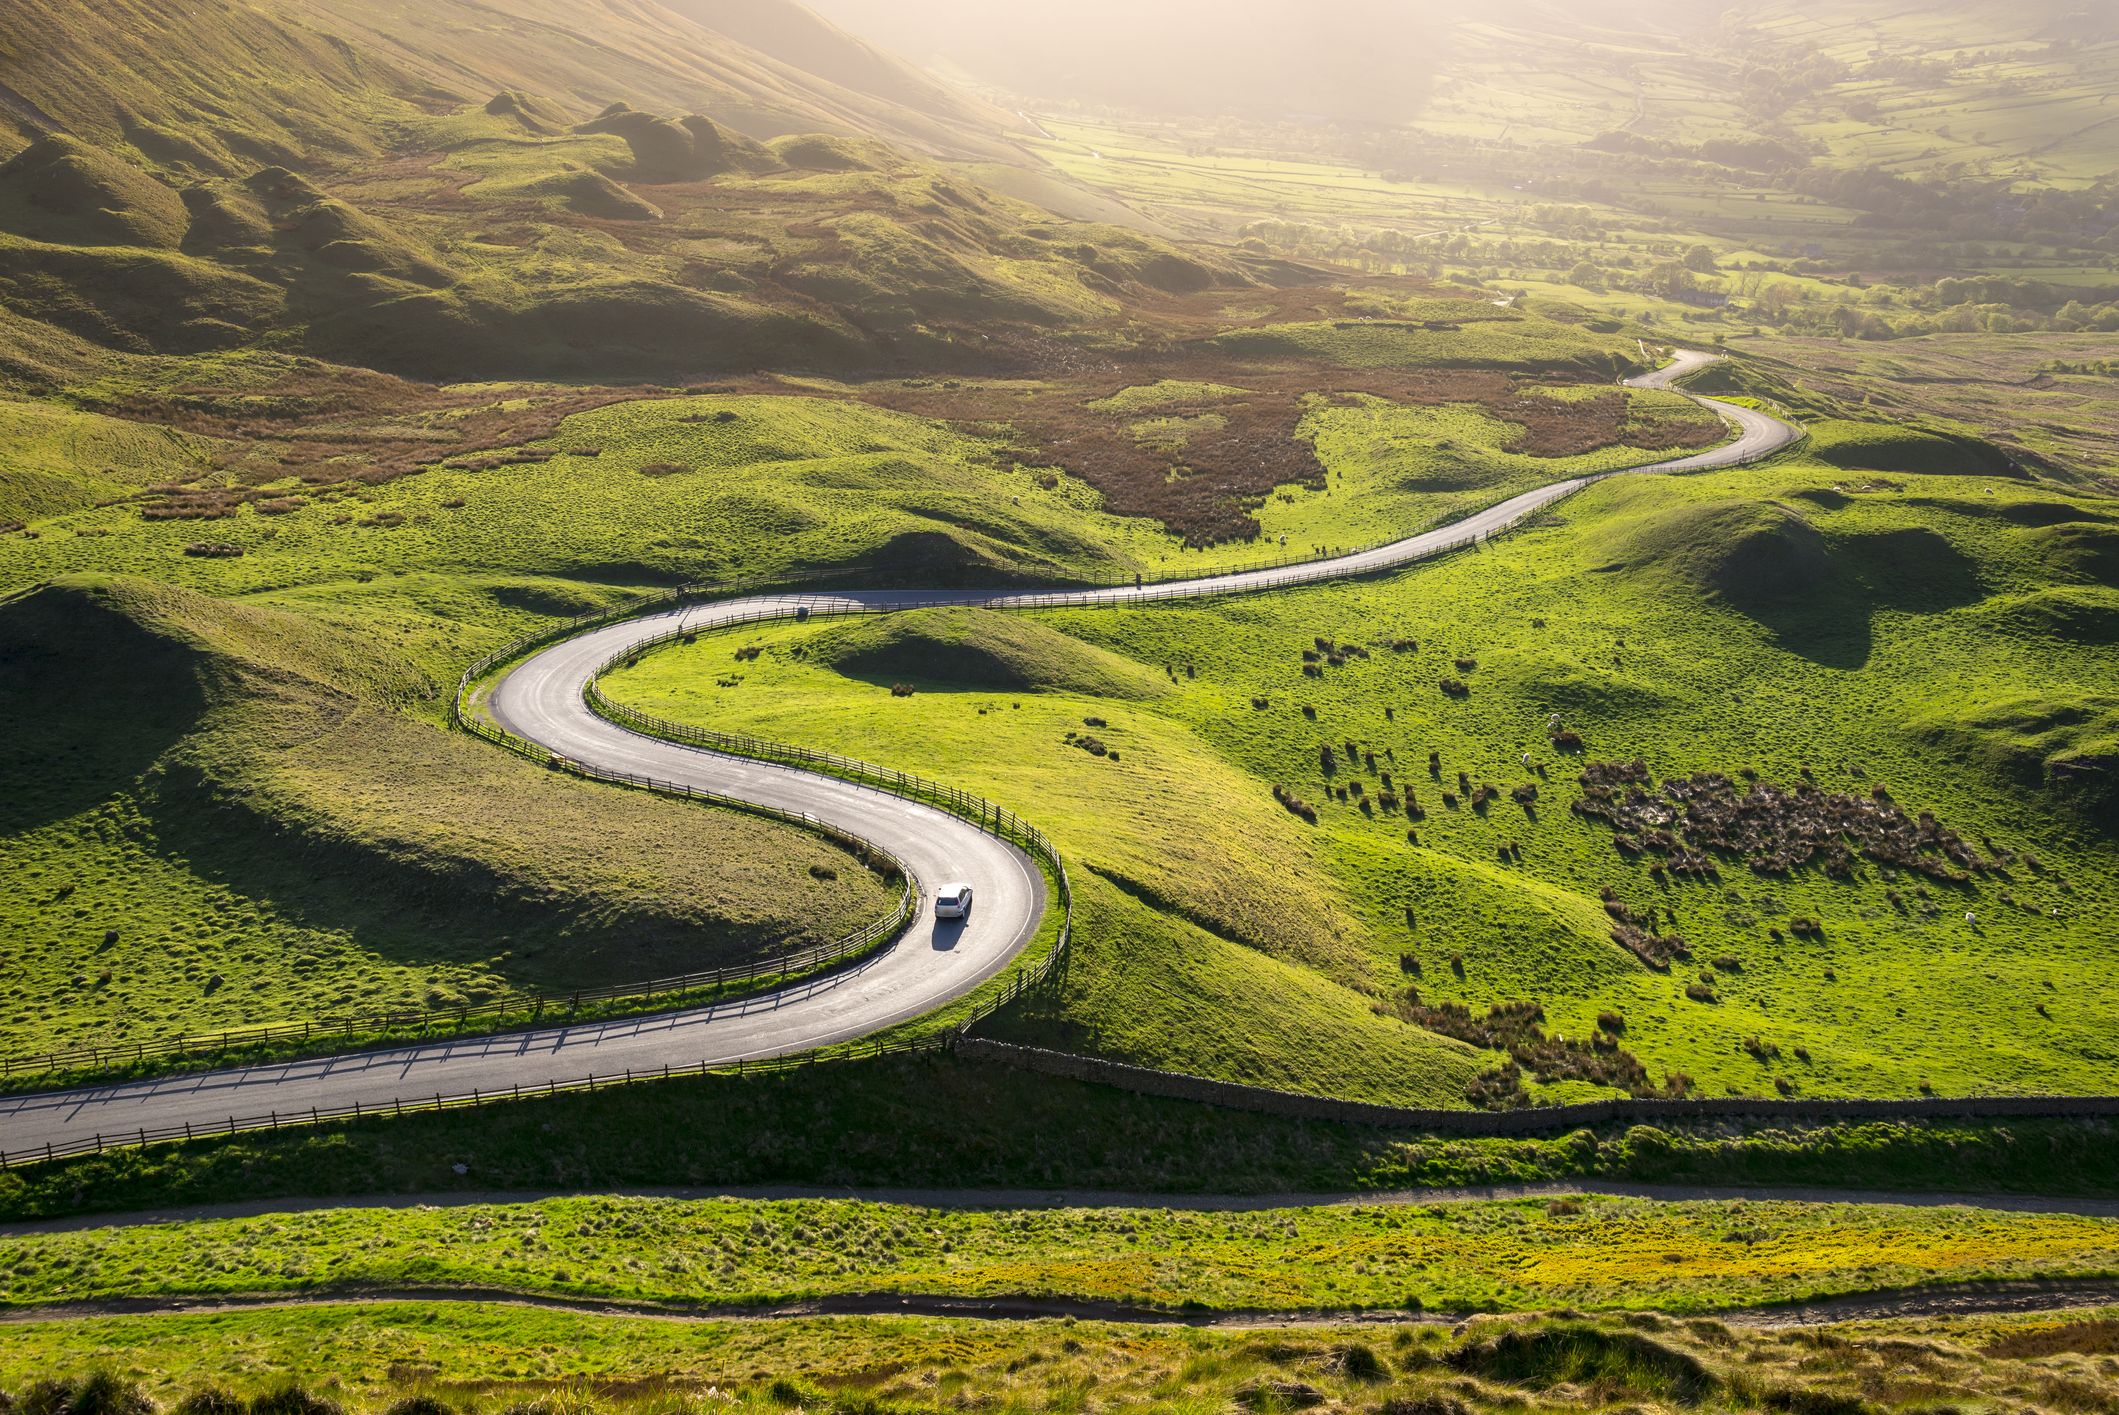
1778,299
1586,276
1700,259
1670,278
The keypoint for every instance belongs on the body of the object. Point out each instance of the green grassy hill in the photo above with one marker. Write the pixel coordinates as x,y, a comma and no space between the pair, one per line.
1872,638
222,814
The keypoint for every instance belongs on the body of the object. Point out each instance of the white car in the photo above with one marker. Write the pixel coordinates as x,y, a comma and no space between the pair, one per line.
952,901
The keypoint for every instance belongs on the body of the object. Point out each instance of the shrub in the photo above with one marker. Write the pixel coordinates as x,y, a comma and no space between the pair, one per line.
211,1400
1729,963
1452,688
1295,805
1357,1362
1611,1022
293,1400
1465,665
212,550
419,1405
102,1393
664,469
901,690
1567,740
1701,992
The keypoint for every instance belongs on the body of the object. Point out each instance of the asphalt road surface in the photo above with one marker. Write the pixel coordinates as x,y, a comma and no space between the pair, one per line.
933,963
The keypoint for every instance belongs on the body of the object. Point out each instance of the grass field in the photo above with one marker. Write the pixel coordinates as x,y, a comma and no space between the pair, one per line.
1590,1253
327,602
464,1358
1869,629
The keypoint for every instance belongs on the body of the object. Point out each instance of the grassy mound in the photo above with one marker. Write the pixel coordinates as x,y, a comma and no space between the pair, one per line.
226,217
590,194
822,152
1577,1354
1878,447
333,233
2060,743
2080,549
71,193
531,113
686,149
980,648
1750,553
2080,614
1814,591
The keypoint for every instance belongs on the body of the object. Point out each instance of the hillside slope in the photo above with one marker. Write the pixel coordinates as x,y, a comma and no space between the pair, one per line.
225,82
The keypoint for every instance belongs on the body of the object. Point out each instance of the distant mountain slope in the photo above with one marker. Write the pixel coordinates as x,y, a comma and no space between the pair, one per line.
544,187
222,85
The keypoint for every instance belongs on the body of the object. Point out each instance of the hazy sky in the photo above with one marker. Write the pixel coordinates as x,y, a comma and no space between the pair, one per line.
1355,59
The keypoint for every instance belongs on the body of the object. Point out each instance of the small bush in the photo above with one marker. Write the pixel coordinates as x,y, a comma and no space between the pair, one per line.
1611,1022
212,550
901,690
211,1400
1452,688
102,1393
1357,1362
1701,992
664,469
1465,665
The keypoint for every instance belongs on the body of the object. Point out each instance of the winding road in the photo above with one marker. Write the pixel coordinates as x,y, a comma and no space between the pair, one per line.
932,964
